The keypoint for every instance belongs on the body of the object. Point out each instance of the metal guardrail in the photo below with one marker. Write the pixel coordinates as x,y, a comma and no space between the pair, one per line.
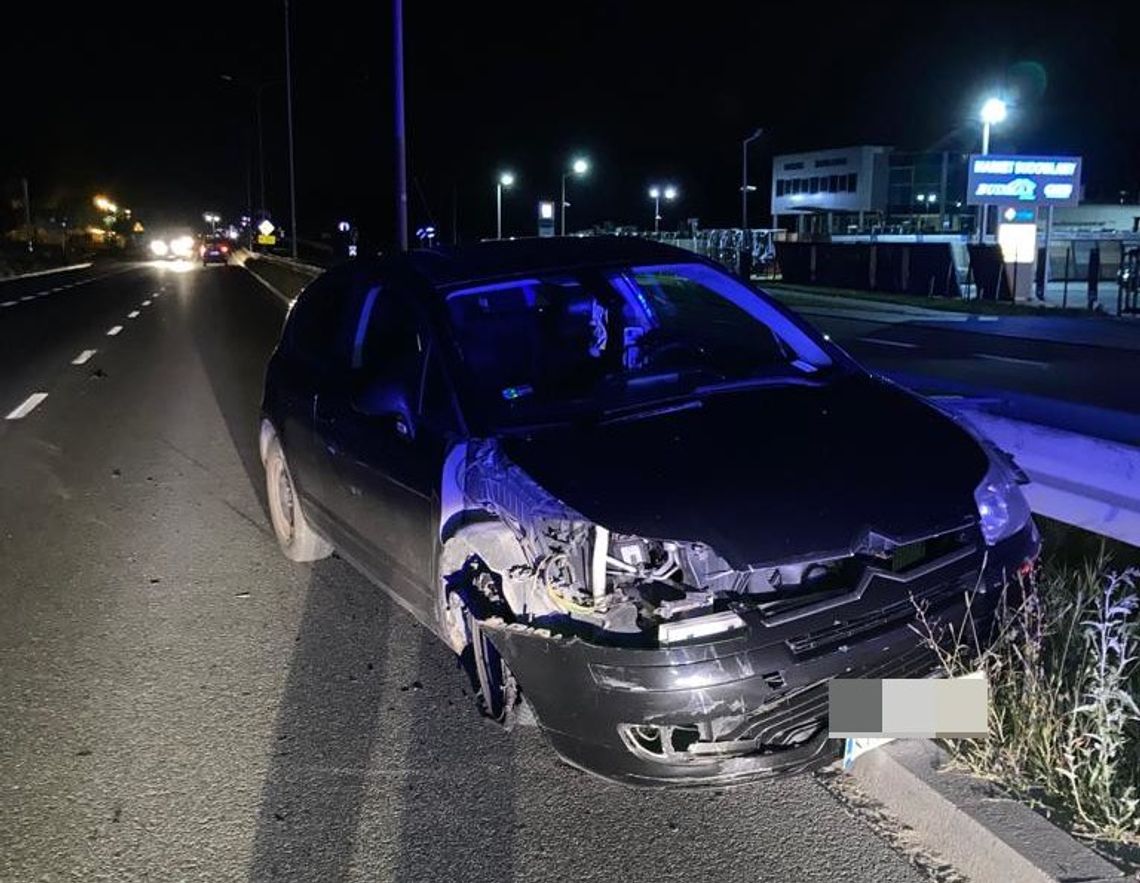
288,262
1084,481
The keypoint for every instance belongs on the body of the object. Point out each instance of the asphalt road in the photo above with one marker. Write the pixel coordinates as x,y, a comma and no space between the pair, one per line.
179,702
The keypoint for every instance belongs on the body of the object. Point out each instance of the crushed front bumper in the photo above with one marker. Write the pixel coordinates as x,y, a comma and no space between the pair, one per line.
753,703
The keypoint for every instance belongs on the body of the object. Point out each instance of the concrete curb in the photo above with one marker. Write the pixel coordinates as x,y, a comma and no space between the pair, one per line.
983,833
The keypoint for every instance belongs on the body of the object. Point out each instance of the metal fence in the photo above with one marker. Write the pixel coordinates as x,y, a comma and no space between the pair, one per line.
727,246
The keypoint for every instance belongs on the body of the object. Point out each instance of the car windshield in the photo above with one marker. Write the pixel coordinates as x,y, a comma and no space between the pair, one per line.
556,347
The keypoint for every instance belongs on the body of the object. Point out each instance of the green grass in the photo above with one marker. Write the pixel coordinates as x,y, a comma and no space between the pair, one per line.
950,305
1062,666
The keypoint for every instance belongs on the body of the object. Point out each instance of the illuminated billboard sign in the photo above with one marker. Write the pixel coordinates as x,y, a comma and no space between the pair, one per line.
1023,180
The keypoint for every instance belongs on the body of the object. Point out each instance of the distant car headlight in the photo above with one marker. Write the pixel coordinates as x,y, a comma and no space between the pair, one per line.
159,248
182,247
1002,508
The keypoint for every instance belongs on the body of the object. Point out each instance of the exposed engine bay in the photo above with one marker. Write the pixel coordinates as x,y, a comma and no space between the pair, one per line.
570,576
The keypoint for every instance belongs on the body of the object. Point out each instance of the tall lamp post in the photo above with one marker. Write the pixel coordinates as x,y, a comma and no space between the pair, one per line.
289,112
401,130
255,90
505,180
993,111
669,192
744,177
579,168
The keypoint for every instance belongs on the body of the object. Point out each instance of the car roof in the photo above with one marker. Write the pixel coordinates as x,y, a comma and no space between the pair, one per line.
484,261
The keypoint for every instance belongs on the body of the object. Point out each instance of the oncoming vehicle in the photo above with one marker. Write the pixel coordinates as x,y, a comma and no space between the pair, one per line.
642,501
173,247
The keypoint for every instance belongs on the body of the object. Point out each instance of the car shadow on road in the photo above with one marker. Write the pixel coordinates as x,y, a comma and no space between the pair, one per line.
457,803
380,768
235,326
327,722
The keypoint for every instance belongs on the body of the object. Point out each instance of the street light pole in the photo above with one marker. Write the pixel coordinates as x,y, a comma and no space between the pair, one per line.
579,167
401,136
289,112
27,214
506,179
993,111
744,177
255,91
656,193
562,228
260,146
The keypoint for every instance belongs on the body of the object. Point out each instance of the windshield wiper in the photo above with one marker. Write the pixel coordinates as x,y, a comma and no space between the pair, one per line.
648,411
769,381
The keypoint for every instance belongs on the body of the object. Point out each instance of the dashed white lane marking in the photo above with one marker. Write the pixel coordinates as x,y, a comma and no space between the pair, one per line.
26,406
881,341
8,303
133,314
27,297
82,357
114,330
54,290
146,303
1032,362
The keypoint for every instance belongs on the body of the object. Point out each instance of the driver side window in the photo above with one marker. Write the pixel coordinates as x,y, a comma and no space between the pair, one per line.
388,344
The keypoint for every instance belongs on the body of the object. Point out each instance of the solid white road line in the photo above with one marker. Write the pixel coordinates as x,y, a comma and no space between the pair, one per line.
884,342
82,357
114,330
277,291
133,314
1011,360
27,406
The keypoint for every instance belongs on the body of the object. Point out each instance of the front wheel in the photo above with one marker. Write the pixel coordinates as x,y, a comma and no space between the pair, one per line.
499,696
296,537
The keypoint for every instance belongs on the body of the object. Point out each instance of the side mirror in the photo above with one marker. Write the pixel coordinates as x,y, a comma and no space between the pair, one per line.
387,401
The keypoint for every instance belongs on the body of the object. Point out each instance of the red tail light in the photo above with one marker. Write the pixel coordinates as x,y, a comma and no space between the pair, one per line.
225,248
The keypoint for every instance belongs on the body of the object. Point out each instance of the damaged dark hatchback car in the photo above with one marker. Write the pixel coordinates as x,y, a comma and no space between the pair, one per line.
643,502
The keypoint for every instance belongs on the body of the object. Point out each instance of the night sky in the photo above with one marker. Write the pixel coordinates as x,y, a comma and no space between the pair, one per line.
128,99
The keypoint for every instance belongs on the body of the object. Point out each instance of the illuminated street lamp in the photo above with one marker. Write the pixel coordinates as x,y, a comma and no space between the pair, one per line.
212,218
579,167
506,179
105,205
669,192
993,111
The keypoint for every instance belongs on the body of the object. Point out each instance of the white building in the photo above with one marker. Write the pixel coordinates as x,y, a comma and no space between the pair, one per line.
830,189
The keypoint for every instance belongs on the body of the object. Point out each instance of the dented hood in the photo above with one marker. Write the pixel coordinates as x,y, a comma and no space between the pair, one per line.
770,474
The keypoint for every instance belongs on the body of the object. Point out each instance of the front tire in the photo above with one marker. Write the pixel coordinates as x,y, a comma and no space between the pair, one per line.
296,537
462,604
